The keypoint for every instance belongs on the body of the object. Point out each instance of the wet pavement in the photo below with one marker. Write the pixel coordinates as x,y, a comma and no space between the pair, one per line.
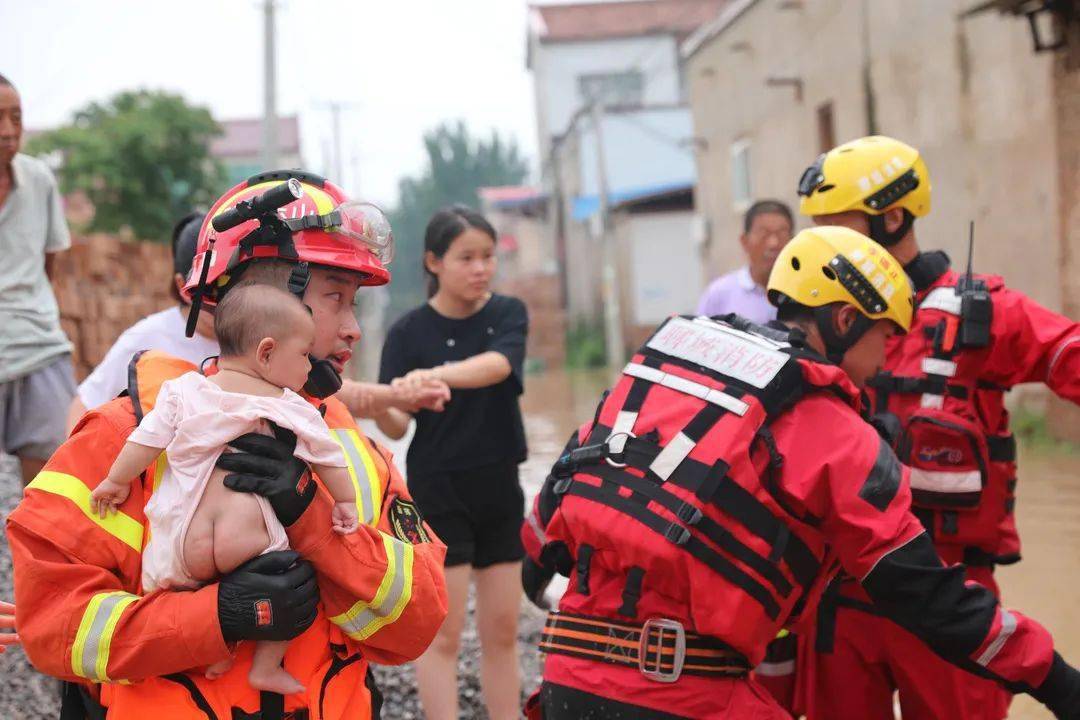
1046,585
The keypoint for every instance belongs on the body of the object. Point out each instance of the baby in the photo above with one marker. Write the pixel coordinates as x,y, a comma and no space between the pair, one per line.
199,529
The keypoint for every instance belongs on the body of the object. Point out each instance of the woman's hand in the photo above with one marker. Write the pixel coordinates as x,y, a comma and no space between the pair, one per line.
422,389
7,622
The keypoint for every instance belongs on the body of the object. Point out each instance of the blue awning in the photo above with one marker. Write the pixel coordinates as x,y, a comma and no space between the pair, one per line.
585,206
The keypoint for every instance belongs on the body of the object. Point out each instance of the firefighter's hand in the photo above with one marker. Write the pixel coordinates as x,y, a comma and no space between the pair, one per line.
1060,692
7,622
265,466
535,579
271,597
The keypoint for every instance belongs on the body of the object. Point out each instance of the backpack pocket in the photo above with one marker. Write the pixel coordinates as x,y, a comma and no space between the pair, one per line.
948,457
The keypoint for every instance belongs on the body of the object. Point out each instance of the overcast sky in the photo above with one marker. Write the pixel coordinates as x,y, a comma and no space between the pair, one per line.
401,66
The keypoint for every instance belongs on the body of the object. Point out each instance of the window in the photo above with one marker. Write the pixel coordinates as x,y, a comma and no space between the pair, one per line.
825,127
741,194
624,88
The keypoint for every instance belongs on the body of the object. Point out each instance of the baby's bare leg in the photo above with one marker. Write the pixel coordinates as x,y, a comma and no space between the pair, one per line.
266,671
226,531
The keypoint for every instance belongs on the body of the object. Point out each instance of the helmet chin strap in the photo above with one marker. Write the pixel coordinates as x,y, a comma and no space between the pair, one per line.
882,236
836,345
323,380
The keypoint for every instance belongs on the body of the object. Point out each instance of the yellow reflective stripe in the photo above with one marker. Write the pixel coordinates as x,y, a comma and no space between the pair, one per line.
363,619
90,651
123,527
372,475
362,473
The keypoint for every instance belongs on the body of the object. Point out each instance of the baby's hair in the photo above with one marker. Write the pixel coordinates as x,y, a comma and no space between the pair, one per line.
252,311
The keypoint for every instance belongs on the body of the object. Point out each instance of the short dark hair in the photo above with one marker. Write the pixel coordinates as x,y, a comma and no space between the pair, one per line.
5,81
444,228
185,239
250,312
767,207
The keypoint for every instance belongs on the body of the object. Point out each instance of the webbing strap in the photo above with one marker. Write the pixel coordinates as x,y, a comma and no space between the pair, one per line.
695,519
678,534
631,592
712,485
935,385
710,395
621,643
672,455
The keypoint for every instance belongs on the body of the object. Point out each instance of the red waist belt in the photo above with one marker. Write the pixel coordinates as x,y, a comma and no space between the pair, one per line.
661,649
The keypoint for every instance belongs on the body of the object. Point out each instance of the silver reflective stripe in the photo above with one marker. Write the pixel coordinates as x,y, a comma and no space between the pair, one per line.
937,366
621,430
1057,355
929,400
687,387
362,481
1008,627
946,482
778,669
537,530
369,614
92,648
672,456
942,298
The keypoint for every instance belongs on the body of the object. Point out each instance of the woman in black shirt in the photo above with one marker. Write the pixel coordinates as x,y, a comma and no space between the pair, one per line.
463,463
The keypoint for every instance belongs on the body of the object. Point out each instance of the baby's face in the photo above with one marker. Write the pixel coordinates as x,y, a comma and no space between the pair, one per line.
289,365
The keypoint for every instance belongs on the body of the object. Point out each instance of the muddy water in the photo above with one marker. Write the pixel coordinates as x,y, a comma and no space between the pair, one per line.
1046,585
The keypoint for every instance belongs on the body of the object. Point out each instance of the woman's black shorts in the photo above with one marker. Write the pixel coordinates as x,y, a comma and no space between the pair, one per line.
477,512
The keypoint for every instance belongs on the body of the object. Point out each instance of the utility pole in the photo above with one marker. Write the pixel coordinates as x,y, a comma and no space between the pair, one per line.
270,121
335,108
613,336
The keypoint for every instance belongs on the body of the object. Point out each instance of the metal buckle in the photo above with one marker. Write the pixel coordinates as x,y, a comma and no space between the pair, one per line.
655,671
616,446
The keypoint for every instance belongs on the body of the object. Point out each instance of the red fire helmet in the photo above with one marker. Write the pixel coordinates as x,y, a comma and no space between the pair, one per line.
325,229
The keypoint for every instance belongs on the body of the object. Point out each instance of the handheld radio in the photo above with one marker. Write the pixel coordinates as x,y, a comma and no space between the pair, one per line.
976,307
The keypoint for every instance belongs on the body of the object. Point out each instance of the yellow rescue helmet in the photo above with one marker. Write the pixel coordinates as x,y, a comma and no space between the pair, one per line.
872,174
828,264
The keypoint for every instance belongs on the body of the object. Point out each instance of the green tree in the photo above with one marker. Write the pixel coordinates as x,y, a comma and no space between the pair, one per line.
143,159
457,165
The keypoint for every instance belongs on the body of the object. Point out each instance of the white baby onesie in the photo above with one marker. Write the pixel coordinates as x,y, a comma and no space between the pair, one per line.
193,419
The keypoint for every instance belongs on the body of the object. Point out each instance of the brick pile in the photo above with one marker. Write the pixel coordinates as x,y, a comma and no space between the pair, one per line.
103,286
547,319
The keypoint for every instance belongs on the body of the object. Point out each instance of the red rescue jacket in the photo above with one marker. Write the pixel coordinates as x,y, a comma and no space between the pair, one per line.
723,481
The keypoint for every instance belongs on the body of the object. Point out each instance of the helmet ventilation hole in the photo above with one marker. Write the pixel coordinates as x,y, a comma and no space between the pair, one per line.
795,263
825,188
827,272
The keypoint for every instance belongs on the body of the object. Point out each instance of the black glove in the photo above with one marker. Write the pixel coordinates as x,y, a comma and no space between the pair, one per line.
265,466
271,597
534,581
1060,691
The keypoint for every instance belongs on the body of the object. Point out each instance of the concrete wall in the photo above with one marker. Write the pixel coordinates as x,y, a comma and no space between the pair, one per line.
642,148
969,93
660,274
557,66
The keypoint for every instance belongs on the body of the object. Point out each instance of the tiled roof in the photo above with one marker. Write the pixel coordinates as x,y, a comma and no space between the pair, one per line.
243,138
598,20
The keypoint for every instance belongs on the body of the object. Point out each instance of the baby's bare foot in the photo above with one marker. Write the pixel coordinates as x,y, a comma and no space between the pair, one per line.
218,669
274,680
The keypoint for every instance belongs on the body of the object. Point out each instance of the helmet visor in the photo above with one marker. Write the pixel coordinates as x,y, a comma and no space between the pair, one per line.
360,221
368,225
812,178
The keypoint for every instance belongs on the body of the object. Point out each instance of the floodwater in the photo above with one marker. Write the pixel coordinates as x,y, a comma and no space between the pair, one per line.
1045,585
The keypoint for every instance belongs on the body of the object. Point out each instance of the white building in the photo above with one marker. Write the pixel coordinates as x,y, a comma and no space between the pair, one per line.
624,58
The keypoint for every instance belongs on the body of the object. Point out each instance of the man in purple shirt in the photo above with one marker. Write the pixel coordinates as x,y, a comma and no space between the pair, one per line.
767,227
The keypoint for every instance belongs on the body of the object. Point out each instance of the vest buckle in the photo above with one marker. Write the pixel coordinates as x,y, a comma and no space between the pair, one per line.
655,665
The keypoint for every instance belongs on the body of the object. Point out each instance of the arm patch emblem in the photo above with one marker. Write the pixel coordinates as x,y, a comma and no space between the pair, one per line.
407,522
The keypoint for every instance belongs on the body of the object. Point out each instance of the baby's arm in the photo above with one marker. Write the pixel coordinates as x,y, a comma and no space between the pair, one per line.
113,490
345,515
